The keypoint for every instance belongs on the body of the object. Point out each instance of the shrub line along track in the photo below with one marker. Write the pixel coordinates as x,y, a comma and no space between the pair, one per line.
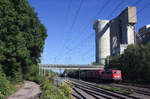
97,92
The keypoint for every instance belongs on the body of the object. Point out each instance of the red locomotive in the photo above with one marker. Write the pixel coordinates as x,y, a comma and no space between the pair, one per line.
102,74
111,75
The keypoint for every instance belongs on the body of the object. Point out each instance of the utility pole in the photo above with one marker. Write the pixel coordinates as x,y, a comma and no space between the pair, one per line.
79,73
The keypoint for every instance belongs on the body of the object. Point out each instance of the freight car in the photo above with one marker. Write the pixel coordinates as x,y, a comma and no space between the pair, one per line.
102,74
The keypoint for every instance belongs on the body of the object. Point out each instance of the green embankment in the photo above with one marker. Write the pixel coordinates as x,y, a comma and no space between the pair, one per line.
21,43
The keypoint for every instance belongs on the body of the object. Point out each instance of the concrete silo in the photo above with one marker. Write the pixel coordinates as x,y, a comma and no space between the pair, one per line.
113,36
102,39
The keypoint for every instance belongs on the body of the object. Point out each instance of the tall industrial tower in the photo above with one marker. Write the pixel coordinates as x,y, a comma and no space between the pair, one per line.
102,40
113,36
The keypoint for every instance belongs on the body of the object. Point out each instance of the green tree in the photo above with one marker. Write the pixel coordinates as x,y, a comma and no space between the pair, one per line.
134,63
22,38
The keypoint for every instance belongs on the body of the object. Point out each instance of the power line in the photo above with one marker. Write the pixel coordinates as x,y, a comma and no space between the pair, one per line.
67,15
75,18
116,8
137,2
97,14
76,15
138,11
103,7
141,9
100,11
68,10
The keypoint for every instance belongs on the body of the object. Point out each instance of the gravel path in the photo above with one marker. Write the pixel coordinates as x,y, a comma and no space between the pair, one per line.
30,90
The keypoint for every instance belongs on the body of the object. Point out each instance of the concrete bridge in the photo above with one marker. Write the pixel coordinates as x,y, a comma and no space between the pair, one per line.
71,66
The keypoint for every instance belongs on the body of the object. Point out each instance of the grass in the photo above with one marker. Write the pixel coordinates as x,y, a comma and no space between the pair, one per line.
19,85
130,91
116,89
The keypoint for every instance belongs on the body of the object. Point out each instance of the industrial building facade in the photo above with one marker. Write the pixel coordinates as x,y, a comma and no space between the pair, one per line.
143,36
113,36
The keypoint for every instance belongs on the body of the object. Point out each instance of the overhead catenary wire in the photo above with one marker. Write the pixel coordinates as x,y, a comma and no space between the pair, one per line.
66,20
116,8
136,2
101,12
97,14
138,12
142,8
67,13
76,15
74,20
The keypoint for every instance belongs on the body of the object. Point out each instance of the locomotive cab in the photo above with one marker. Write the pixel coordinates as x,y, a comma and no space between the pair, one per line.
116,75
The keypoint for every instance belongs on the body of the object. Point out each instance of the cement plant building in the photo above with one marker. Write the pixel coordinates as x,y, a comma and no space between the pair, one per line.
113,36
143,36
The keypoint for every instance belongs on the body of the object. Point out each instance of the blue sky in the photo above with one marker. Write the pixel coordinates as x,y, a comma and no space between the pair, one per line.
69,24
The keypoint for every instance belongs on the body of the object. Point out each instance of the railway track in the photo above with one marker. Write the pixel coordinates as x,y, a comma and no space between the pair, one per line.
136,85
99,93
78,94
139,90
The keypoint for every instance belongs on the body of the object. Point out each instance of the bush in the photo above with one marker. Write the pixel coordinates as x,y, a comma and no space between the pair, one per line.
50,92
6,88
65,88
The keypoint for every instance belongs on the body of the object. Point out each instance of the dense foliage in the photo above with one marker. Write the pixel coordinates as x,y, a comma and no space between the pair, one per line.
22,38
134,63
6,88
21,43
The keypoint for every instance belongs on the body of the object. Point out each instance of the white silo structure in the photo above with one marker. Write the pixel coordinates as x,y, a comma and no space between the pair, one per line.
102,38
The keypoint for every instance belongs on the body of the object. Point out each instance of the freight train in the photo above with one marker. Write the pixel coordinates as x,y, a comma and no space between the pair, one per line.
102,74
